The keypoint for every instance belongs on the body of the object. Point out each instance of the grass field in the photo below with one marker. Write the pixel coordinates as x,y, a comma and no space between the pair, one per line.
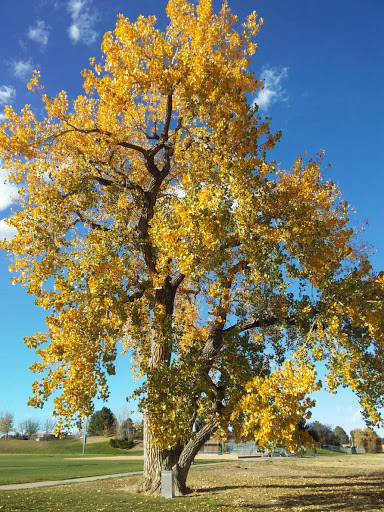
349,483
31,461
69,447
34,468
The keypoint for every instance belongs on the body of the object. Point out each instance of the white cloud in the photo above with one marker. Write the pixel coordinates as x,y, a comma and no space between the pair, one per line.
356,419
39,33
8,191
22,69
84,17
6,231
179,191
76,6
273,89
7,94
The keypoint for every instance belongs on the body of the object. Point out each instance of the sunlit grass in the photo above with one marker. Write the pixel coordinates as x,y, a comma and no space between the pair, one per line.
70,447
349,483
34,468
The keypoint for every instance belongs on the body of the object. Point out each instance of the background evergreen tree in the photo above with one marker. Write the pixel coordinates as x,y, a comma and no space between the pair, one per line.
323,434
102,422
341,435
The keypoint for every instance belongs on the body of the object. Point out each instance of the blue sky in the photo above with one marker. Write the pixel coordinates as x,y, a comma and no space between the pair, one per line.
322,63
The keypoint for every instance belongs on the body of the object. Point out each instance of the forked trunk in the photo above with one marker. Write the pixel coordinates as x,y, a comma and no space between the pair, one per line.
179,459
155,461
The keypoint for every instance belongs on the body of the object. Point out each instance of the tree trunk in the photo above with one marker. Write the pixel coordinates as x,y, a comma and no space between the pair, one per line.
178,459
155,461
189,452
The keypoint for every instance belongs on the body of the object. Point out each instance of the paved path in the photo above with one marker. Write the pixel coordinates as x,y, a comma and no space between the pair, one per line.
49,483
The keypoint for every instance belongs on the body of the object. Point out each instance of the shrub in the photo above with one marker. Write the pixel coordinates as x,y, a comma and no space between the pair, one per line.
124,444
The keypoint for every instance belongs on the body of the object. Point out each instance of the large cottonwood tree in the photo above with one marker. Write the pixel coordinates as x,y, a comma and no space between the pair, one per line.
151,216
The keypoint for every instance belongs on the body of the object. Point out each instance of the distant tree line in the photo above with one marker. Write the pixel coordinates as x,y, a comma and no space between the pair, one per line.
102,422
6,423
123,430
366,439
120,426
26,429
324,434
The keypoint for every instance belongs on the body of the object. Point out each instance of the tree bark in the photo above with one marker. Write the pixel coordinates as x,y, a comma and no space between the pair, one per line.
178,459
189,452
155,461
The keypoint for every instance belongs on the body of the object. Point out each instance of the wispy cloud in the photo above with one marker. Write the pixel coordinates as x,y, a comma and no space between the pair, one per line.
84,17
22,69
7,94
273,90
39,33
6,231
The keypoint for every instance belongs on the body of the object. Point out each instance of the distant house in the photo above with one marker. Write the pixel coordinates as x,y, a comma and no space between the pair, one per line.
48,436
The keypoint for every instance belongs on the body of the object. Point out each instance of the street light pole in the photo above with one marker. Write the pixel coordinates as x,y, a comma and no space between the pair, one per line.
84,434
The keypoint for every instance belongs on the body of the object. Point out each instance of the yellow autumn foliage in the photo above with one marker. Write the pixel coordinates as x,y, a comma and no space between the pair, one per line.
272,407
150,221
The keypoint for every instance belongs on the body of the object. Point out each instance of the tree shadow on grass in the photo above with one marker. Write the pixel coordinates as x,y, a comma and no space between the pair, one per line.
353,492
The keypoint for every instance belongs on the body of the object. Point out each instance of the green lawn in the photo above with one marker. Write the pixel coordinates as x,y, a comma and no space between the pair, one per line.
70,447
31,461
323,484
33,468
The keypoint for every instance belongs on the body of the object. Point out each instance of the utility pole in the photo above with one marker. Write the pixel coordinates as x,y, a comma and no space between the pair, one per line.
84,434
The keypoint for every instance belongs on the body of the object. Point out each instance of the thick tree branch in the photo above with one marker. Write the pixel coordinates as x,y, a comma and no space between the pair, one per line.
88,131
135,147
221,310
150,196
267,321
191,449
136,295
214,341
90,223
252,323
168,117
126,183
103,181
177,280
160,144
